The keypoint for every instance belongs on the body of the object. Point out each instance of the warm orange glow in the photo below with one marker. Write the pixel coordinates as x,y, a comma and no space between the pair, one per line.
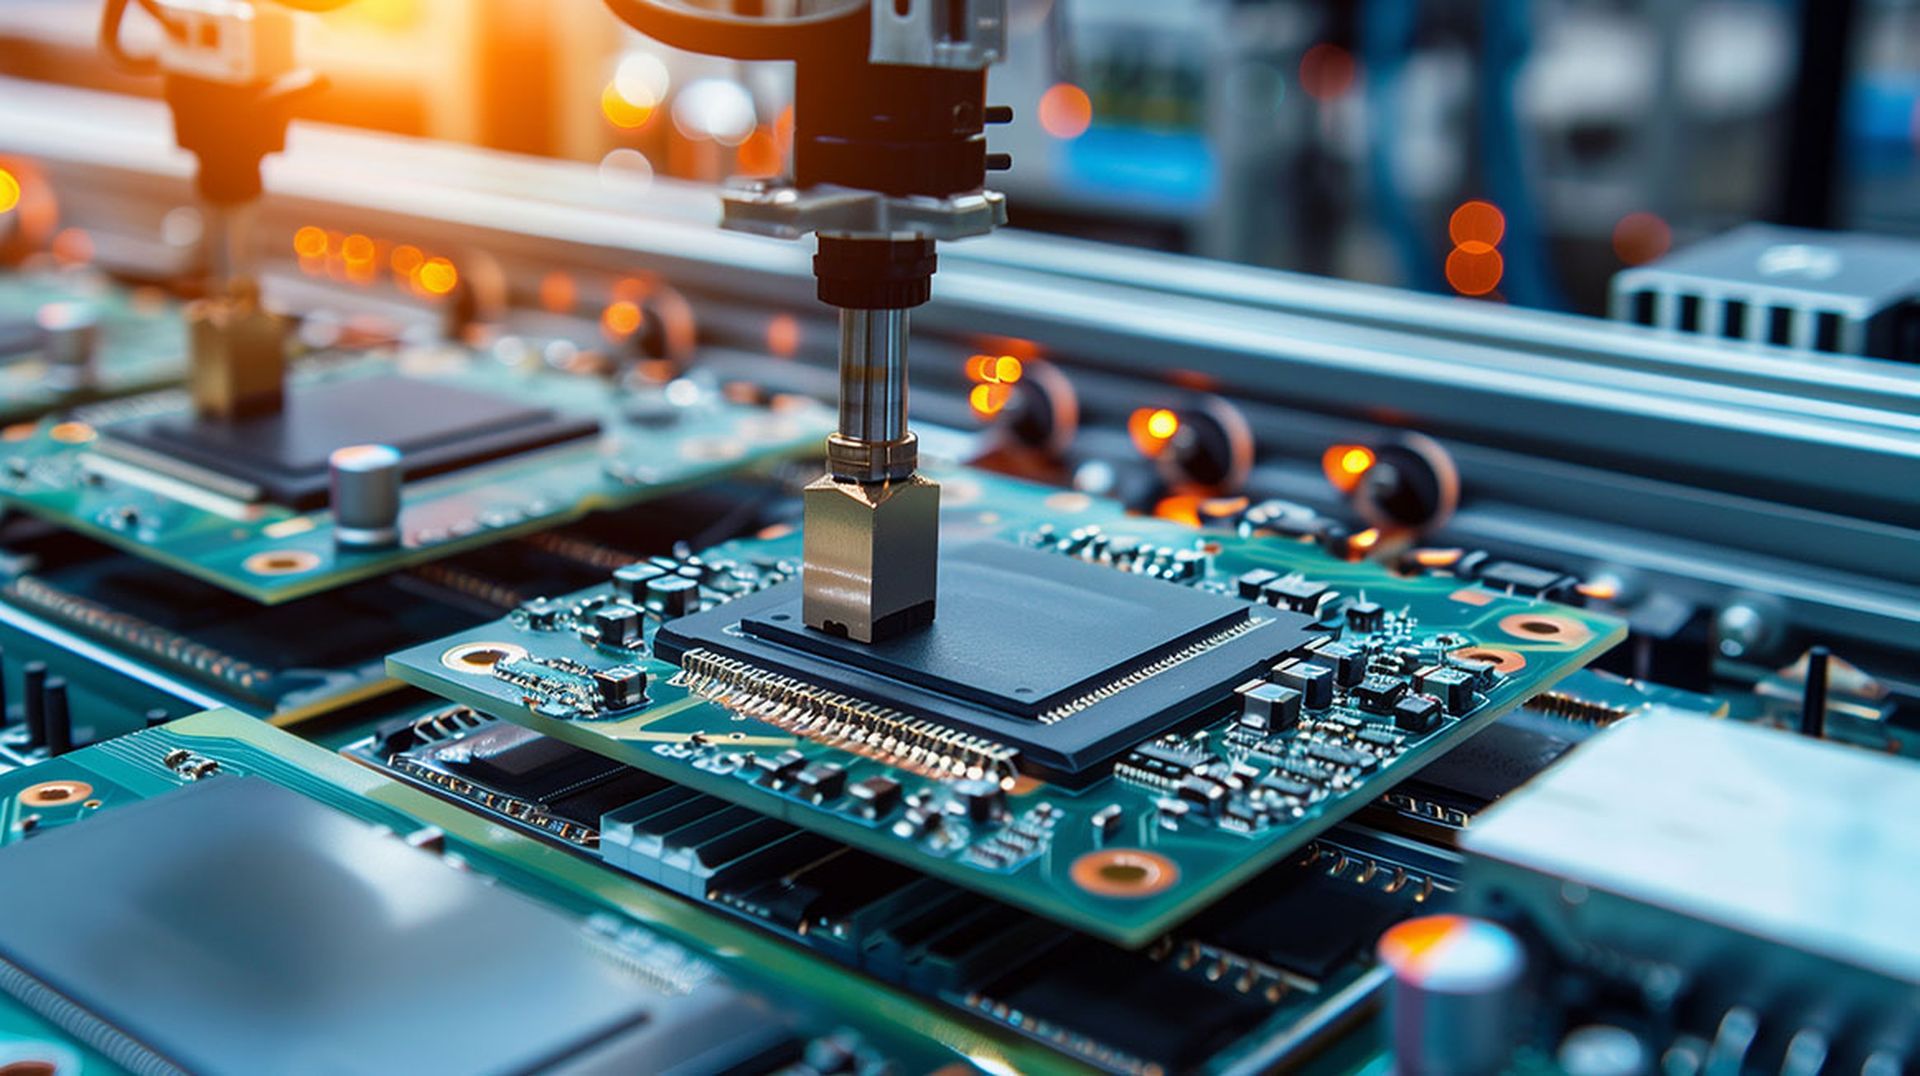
72,246
437,276
357,250
1474,268
310,242
9,191
621,112
1344,464
557,293
1363,541
783,336
1327,71
1477,222
1180,508
976,367
620,319
1222,507
1641,237
406,259
1065,111
988,400
1437,558
759,156
1151,429
1007,370
783,131
630,289
71,433
1600,590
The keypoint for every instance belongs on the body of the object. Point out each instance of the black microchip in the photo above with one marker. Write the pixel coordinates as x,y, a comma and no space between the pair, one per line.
573,783
234,926
1308,923
437,427
1020,635
1130,1002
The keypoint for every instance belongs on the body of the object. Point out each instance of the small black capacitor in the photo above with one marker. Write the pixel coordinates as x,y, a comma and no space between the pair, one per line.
673,595
33,699
59,721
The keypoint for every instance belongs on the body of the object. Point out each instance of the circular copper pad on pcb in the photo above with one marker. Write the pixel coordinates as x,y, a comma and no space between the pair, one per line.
282,562
1124,872
56,793
1546,628
478,659
1504,661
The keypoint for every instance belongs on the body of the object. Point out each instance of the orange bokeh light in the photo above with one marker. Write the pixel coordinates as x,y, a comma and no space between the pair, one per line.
557,293
783,336
1477,222
9,191
1474,268
310,242
988,400
1180,508
437,276
621,112
1641,237
1151,428
1163,424
759,156
405,259
1065,111
1327,71
1344,464
358,250
620,319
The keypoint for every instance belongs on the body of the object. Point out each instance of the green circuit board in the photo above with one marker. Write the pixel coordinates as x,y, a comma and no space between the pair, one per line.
1124,855
649,927
649,441
141,342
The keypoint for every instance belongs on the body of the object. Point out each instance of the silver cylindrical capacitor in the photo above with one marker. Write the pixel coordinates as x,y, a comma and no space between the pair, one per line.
1453,1006
70,337
365,484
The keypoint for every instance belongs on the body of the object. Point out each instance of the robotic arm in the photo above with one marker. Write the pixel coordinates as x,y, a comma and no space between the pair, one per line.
230,80
889,156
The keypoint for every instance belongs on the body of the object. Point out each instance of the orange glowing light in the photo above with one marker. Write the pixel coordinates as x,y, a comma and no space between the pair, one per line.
1065,111
1151,429
9,191
1438,558
1007,370
976,367
1180,508
1327,71
621,112
437,276
406,259
620,319
310,242
1474,268
1641,237
1363,541
557,293
759,156
1477,222
357,250
783,336
1600,590
1344,464
988,400
72,246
